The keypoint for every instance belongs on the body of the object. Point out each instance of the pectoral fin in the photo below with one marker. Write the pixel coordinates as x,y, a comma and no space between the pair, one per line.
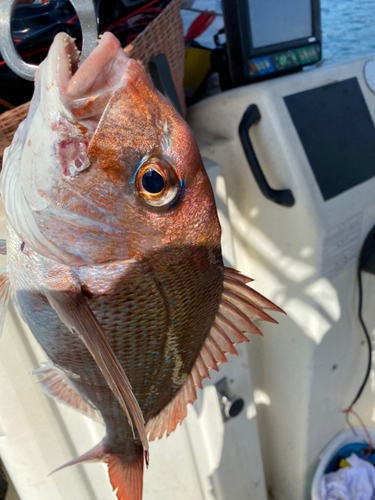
74,311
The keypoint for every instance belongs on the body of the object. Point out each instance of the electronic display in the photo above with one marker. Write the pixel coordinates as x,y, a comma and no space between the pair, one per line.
266,38
275,21
337,133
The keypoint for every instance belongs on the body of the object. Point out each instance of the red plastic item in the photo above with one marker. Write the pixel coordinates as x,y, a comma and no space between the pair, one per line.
199,25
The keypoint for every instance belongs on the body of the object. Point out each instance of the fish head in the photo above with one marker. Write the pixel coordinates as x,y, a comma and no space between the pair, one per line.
104,168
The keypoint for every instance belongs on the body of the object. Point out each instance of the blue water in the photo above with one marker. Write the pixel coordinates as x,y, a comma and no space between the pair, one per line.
348,28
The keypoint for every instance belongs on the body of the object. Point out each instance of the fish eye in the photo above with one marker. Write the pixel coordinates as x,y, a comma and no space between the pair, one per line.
157,183
152,181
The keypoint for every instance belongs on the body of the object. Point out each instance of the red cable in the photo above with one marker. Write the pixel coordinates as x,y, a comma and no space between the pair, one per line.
123,28
350,410
71,20
132,14
199,25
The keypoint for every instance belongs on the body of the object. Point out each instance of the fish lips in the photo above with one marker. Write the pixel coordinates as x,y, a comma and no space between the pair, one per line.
86,88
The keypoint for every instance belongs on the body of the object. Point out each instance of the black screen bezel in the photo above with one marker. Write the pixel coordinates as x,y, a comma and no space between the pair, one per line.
239,39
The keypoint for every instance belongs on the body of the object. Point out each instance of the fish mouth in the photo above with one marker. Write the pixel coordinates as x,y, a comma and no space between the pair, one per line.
84,91
86,87
68,56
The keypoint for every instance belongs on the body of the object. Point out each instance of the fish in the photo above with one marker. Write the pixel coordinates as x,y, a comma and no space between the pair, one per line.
113,253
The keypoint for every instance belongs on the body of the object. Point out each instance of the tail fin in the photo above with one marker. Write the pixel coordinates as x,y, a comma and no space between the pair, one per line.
125,473
126,476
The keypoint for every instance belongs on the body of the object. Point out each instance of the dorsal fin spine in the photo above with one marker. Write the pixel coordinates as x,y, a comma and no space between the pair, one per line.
192,395
254,297
237,275
238,318
251,311
222,339
231,330
218,354
196,378
208,358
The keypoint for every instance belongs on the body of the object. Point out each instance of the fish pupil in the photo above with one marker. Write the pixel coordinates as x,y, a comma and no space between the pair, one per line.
153,182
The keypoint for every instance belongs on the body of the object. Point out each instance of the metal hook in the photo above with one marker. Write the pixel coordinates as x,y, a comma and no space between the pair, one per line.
85,10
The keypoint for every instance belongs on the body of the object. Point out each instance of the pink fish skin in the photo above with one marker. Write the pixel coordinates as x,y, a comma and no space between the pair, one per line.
114,256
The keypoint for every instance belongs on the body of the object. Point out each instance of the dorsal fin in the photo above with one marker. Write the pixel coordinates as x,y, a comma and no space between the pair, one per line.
57,385
239,306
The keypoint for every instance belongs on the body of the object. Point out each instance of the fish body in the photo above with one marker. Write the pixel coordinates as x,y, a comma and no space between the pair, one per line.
114,257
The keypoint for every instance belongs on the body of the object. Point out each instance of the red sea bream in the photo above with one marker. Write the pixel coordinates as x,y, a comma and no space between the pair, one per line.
114,257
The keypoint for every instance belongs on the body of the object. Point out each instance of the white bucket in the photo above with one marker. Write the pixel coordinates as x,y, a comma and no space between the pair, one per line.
330,451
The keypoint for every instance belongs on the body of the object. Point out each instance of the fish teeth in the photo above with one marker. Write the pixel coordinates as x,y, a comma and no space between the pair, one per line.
69,62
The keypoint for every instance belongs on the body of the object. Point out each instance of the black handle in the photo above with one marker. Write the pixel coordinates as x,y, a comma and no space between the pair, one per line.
281,196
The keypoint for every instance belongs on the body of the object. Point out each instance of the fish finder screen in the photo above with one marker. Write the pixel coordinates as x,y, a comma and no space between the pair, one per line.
337,133
275,21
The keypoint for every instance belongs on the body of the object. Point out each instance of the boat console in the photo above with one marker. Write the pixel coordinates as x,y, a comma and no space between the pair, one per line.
297,157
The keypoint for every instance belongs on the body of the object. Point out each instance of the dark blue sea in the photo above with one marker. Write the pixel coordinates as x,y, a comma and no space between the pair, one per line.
348,28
